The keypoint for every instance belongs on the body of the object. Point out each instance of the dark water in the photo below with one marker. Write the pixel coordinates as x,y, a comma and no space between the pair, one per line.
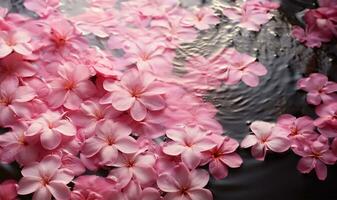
239,105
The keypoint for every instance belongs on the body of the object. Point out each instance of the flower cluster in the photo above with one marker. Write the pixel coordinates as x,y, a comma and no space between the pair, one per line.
314,140
76,106
320,24
251,14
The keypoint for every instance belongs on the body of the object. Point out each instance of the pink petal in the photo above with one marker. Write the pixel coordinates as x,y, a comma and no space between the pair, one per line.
314,98
73,101
259,151
22,49
305,165
92,146
59,190
24,94
176,135
64,176
66,128
321,170
122,100
150,194
127,145
261,129
50,140
182,175
34,129
85,89
42,193
29,185
144,175
328,158
173,149
257,69
153,102
57,98
250,79
176,195
203,145
109,155
200,194
138,111
167,183
232,160
217,169
191,158
199,178
249,141
278,144
5,50
31,171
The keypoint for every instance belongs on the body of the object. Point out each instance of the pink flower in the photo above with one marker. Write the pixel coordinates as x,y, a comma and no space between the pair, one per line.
71,87
17,147
315,157
327,3
51,130
13,100
327,121
8,190
189,143
92,188
138,166
311,36
319,89
111,138
264,139
91,115
45,179
184,184
72,163
201,18
241,67
137,92
151,193
298,130
17,41
223,156
42,7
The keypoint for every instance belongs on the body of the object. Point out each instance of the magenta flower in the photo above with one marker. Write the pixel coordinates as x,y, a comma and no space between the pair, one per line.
51,130
8,190
201,18
319,89
264,138
241,67
18,41
136,92
13,100
45,179
316,156
184,184
327,121
71,87
223,156
189,143
111,137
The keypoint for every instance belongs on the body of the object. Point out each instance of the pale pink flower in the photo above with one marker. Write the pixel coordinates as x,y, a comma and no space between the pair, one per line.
184,184
71,87
319,89
138,166
137,92
15,41
8,190
13,100
201,18
42,7
316,156
45,179
223,156
51,130
111,137
72,163
241,67
327,121
91,115
17,147
189,143
263,139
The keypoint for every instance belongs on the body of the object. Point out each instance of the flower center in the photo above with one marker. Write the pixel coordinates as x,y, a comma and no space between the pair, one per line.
293,131
69,85
5,101
45,180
